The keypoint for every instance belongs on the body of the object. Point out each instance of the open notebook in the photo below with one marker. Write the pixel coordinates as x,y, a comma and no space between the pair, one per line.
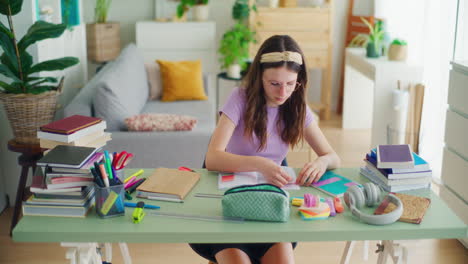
226,180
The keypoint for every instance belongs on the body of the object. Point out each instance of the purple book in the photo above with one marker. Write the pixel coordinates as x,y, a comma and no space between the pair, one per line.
394,156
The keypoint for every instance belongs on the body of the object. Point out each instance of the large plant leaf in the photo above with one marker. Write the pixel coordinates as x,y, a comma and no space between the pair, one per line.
9,51
13,5
5,30
5,71
7,87
39,31
43,80
54,65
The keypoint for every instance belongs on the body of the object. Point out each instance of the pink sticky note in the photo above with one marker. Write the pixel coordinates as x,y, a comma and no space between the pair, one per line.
226,178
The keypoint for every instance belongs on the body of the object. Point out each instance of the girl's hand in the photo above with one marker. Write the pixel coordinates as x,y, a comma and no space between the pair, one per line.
312,172
273,173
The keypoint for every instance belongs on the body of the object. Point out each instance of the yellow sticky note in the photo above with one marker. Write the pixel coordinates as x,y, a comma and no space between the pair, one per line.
109,202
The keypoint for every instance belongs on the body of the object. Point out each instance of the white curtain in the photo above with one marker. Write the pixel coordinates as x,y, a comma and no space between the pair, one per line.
429,28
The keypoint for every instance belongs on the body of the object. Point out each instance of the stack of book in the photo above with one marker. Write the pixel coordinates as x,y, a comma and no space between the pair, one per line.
77,130
63,184
396,168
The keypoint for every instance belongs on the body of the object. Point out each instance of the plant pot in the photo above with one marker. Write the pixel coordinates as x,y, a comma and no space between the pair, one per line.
288,3
175,18
201,12
103,41
27,112
372,51
234,71
397,52
273,3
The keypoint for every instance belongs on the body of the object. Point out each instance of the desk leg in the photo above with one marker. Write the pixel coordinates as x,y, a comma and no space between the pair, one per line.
348,251
398,253
19,196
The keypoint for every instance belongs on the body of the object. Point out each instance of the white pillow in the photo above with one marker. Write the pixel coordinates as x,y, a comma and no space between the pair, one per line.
154,80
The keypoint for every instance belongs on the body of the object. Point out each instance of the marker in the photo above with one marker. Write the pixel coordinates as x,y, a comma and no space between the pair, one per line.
138,173
134,187
104,175
147,206
107,162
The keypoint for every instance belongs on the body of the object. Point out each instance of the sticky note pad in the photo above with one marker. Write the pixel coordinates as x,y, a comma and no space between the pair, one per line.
107,205
227,178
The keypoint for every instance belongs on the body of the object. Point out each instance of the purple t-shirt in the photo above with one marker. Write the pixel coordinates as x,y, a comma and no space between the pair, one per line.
276,149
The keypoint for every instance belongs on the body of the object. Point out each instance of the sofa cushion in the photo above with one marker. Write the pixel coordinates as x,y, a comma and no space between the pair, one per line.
182,80
160,122
122,90
154,80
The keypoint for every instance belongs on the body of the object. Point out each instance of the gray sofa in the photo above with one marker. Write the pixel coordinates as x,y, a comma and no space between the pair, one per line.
119,90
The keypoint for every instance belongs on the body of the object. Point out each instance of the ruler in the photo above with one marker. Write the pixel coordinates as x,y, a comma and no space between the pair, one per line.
198,217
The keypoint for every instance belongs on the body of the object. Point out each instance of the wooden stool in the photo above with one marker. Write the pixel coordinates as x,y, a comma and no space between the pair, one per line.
30,154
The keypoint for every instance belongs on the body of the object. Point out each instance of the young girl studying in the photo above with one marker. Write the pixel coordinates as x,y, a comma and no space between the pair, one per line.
257,125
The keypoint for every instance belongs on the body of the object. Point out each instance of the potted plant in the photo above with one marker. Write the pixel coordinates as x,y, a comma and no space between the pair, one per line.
234,49
398,50
234,46
102,37
376,34
29,98
200,9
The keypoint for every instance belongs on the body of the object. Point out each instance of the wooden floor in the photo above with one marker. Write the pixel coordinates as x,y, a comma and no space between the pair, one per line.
351,146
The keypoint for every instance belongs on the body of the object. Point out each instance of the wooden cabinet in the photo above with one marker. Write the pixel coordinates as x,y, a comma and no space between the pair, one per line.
311,27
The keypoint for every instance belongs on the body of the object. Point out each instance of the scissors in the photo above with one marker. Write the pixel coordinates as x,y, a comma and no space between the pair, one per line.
122,159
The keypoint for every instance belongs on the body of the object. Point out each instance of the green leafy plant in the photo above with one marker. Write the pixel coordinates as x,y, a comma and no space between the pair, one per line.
399,42
241,10
376,33
234,46
102,10
185,5
17,64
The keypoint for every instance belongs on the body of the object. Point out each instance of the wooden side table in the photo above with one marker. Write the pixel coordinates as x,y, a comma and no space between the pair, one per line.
30,154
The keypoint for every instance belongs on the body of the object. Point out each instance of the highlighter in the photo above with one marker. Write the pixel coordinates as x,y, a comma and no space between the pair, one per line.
104,175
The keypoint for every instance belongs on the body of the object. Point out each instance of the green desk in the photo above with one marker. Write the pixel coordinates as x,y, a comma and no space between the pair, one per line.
439,223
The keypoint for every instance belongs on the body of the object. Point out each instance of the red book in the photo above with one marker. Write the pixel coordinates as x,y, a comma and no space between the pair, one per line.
70,124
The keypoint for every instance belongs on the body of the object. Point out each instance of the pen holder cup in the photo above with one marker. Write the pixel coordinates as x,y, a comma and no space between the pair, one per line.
110,201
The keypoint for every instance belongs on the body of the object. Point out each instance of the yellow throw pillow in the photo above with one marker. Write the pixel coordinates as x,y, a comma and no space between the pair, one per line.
182,80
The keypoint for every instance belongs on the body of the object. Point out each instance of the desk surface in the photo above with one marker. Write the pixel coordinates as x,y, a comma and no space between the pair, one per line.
439,222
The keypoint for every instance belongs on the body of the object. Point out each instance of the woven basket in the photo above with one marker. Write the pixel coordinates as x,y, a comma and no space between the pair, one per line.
27,112
288,3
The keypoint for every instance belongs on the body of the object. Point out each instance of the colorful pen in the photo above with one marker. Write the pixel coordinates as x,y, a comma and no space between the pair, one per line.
147,206
138,173
104,175
130,184
107,162
134,187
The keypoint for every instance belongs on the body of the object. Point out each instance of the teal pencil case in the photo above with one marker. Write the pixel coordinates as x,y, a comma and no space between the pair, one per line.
261,202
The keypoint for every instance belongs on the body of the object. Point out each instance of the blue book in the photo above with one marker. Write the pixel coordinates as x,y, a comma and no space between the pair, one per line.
334,184
419,164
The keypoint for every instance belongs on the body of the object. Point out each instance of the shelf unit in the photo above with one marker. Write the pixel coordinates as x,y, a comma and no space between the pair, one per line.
312,28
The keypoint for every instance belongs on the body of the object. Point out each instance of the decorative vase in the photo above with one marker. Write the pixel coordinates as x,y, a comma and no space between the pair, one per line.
201,12
27,112
372,51
103,41
234,71
397,52
273,3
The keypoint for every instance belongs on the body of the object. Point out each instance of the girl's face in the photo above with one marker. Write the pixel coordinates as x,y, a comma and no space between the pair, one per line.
279,83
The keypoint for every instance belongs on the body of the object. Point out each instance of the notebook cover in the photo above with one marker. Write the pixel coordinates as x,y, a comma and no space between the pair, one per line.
70,124
170,181
333,184
394,154
414,207
66,156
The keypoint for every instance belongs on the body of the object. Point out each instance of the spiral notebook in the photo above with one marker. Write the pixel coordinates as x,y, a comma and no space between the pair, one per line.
334,184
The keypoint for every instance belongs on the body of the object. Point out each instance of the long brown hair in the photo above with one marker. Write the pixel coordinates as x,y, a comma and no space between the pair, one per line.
292,113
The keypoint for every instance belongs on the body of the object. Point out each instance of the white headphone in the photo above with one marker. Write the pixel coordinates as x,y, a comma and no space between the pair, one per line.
369,194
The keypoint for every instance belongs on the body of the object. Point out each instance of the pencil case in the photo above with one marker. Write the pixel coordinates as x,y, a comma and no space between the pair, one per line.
261,202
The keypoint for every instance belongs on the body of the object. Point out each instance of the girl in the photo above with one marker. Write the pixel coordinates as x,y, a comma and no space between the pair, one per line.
257,125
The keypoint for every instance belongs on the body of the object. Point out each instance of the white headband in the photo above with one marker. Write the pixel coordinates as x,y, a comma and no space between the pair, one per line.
282,56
